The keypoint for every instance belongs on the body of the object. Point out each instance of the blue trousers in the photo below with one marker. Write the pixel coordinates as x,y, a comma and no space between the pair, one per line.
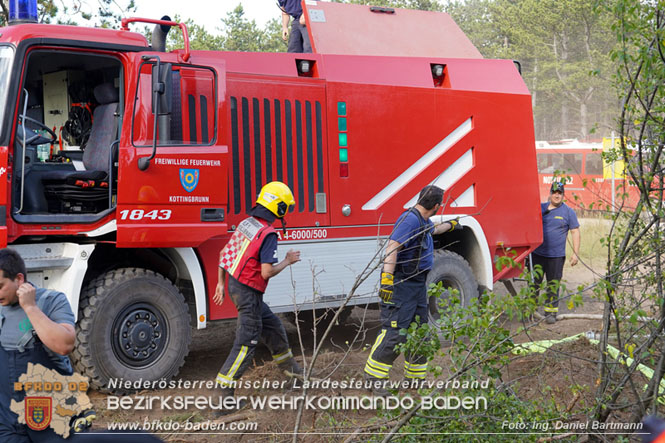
409,304
255,322
552,271
299,38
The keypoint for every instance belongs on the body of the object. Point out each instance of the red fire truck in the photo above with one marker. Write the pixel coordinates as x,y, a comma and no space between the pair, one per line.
593,184
127,168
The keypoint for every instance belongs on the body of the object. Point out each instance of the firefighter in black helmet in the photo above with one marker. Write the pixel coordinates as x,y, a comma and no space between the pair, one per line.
247,262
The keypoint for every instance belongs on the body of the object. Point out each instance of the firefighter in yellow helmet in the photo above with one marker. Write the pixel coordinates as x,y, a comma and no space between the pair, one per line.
247,262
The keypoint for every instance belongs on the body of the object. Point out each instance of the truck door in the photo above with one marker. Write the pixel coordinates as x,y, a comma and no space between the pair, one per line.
172,184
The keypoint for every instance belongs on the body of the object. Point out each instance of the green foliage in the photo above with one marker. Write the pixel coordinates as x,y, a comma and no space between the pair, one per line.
102,13
633,286
237,33
564,49
240,34
425,5
504,409
476,343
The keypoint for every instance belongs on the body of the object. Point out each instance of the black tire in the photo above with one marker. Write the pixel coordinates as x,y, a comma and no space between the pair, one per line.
133,324
323,316
454,272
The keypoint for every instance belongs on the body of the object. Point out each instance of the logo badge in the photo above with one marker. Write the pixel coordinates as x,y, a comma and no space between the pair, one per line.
189,178
38,412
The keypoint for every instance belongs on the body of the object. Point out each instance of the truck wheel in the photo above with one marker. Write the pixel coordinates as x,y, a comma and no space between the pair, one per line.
453,272
324,317
133,324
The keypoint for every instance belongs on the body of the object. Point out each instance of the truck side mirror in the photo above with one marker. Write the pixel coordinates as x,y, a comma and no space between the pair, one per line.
162,96
162,87
162,84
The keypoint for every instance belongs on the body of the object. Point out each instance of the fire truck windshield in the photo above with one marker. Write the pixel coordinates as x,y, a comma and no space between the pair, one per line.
6,57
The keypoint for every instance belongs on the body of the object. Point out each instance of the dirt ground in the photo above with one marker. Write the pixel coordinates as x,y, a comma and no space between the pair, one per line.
535,377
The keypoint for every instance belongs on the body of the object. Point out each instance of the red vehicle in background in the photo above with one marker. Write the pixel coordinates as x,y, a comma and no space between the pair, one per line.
128,218
592,183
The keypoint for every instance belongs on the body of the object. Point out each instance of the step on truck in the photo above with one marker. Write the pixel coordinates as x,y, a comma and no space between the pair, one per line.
125,168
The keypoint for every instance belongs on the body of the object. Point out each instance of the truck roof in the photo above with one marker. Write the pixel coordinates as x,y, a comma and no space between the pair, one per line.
346,29
16,33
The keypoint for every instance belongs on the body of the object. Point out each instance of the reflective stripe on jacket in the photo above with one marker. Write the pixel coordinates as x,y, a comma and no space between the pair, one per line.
240,256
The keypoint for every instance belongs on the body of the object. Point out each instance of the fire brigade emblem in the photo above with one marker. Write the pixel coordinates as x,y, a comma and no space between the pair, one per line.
189,178
38,412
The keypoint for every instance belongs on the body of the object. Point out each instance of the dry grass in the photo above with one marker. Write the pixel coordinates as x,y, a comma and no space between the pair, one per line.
592,252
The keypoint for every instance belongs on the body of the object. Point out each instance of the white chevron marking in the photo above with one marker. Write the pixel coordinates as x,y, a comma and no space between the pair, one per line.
419,166
450,176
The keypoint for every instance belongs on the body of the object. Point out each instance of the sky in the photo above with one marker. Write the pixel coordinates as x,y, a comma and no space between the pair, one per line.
206,12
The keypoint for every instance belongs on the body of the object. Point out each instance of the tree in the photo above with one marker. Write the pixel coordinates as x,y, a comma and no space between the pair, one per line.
633,287
103,13
564,49
199,37
476,19
236,33
425,5
240,34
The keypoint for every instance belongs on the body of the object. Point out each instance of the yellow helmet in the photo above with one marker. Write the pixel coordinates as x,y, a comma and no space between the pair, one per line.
277,198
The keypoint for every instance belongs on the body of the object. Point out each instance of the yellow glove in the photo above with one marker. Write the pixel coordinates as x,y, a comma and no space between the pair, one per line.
454,224
386,290
83,421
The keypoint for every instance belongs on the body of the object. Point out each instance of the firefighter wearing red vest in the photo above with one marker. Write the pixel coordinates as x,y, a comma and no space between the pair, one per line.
247,262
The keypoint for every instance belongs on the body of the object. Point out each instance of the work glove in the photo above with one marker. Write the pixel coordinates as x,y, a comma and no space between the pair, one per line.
83,421
386,290
454,224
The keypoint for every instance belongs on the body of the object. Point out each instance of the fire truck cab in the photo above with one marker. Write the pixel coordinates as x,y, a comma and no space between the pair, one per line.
127,168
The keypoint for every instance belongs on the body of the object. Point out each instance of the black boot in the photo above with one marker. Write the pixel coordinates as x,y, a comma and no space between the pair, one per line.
291,368
376,386
238,405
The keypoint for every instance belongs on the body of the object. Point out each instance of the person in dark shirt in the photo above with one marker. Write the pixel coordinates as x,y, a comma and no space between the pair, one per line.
299,39
408,260
36,326
558,220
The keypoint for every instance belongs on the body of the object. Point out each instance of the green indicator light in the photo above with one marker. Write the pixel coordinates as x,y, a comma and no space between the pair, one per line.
341,123
342,140
343,155
341,108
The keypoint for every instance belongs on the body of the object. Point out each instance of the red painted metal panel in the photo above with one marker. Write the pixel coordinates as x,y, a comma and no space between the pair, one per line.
172,234
208,252
462,74
17,33
271,63
336,28
501,142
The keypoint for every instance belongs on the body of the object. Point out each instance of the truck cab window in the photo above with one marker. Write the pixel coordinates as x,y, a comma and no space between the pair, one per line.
187,114
68,121
6,58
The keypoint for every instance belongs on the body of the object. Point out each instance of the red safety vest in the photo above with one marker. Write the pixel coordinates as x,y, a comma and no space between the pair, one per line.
240,256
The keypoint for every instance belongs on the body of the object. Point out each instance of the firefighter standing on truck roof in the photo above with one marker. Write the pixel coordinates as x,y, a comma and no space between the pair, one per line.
558,219
249,260
403,293
298,40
